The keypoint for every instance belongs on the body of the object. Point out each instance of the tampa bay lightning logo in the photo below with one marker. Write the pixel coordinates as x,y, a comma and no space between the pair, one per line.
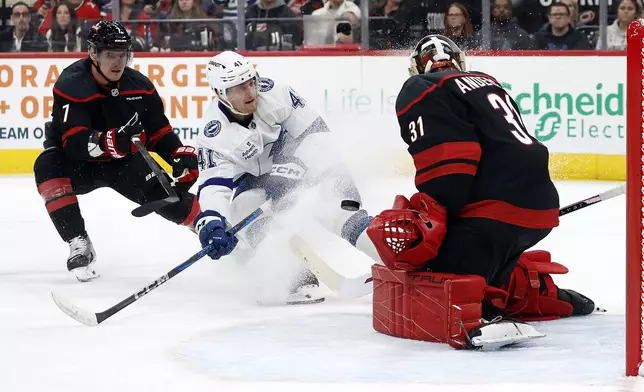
212,128
265,84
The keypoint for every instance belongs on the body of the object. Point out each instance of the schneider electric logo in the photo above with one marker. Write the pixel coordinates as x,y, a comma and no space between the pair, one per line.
595,112
547,126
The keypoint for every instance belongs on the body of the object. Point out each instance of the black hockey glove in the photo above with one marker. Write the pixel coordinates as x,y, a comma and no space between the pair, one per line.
286,174
185,167
117,142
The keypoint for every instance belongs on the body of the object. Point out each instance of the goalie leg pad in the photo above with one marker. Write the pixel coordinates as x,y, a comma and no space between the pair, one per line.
532,294
426,306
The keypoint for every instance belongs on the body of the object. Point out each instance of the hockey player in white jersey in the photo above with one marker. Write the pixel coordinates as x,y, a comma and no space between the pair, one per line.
260,140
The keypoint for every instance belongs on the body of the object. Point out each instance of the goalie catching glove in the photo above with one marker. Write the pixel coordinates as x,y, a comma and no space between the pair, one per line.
410,234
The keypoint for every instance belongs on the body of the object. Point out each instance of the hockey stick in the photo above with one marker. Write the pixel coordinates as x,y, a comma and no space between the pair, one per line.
609,194
93,319
345,287
358,287
152,206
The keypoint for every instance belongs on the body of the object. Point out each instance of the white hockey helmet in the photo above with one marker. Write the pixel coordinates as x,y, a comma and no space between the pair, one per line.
229,69
434,52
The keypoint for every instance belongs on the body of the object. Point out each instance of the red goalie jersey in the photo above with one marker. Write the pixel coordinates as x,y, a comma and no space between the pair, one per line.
472,152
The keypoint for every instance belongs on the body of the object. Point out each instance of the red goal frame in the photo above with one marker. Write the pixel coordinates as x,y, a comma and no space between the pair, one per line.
634,196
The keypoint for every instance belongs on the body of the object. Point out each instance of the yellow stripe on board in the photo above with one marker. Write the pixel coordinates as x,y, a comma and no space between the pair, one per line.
22,161
563,166
18,161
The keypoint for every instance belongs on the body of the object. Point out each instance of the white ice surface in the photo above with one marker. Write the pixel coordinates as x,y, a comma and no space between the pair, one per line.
204,331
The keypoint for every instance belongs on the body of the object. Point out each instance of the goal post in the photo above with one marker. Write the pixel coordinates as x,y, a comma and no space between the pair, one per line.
634,197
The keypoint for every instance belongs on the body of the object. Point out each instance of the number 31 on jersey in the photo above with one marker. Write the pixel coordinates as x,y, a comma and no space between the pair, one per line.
416,129
509,113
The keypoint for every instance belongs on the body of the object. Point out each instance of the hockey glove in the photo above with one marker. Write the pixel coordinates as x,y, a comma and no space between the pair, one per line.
410,234
184,166
286,175
211,227
117,142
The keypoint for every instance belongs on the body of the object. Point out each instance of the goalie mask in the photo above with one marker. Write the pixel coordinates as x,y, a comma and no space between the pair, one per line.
434,52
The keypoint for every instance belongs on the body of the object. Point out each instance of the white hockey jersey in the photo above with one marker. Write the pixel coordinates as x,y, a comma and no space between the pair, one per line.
227,149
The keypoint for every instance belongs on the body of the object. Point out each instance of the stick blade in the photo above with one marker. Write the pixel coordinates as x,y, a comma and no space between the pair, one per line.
73,311
357,287
151,207
343,286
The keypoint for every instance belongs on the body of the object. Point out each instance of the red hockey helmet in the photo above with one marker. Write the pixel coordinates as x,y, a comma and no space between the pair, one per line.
434,52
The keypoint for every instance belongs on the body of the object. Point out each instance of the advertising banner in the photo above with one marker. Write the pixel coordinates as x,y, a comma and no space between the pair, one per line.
572,104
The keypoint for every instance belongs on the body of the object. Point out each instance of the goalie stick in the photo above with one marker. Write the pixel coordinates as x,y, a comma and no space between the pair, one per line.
93,319
152,206
358,287
609,194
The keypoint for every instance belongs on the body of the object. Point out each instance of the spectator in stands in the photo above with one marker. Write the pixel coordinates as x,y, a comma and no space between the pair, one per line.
458,27
532,14
433,12
229,7
328,25
296,6
41,7
264,34
188,35
142,35
147,6
85,11
628,11
560,35
392,33
347,30
573,7
506,33
20,36
63,35
424,16
161,8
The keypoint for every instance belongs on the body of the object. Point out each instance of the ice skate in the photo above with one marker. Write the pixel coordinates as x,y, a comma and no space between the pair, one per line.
500,332
581,305
82,258
305,290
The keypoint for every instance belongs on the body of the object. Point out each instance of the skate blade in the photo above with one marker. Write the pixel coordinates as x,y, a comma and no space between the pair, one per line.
505,335
599,310
303,301
85,274
306,301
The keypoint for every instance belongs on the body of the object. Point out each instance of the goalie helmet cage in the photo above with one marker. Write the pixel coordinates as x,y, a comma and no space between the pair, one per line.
634,198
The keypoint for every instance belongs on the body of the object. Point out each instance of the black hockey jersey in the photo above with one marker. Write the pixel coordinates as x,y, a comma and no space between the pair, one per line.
82,106
472,152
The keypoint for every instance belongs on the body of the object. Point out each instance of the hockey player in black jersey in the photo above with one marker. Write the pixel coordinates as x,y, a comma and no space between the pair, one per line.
484,191
99,104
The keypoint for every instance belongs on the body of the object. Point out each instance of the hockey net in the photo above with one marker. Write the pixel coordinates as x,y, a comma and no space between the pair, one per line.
635,199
